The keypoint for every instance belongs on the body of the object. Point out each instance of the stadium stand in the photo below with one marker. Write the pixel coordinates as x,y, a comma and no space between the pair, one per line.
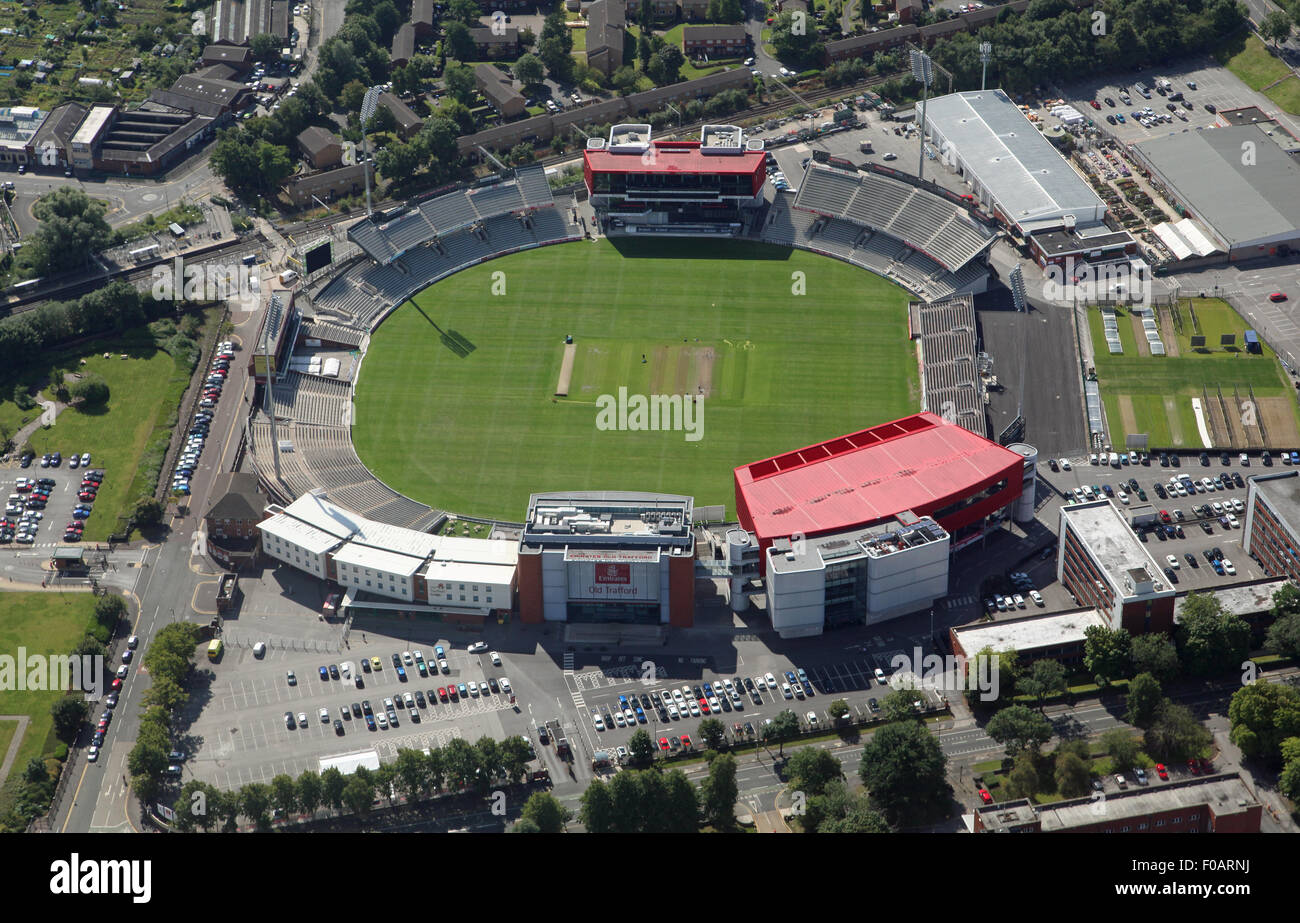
948,352
924,221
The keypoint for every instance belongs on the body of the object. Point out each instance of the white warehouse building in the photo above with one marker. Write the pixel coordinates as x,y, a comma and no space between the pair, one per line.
386,567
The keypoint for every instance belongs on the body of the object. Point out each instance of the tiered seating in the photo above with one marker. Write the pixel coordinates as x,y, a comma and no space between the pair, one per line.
330,333
877,202
496,200
407,231
827,191
838,237
343,297
948,349
533,186
449,213
550,224
968,275
507,234
310,399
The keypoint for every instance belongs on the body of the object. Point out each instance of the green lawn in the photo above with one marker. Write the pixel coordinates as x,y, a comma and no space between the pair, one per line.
478,434
1248,58
144,390
1153,383
43,623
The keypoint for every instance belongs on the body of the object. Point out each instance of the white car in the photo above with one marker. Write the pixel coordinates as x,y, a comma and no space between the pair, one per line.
1065,464
771,681
1238,505
496,659
880,676
600,723
324,716
1037,597
1227,567
619,719
630,717
678,697
695,709
473,688
477,647
812,718
673,713
1172,561
1019,601
92,754
785,691
504,684
1233,521
302,719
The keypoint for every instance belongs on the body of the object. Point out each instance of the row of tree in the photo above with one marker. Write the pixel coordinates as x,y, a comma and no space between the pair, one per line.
415,774
169,661
115,308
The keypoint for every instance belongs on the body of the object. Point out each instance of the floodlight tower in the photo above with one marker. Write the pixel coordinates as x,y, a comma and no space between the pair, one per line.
368,105
986,50
924,74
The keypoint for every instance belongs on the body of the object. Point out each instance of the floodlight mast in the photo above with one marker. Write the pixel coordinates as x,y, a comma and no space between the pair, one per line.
986,50
368,105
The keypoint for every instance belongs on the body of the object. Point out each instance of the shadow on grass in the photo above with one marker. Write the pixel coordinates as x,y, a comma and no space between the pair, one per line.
452,339
676,249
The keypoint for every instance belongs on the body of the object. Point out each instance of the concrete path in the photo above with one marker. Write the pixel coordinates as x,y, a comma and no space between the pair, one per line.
23,721
50,411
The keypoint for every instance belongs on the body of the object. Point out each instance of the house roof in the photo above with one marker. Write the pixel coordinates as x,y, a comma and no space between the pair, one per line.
237,498
315,139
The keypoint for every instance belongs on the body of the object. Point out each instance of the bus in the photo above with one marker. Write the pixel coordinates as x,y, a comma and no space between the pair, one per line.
144,253
215,647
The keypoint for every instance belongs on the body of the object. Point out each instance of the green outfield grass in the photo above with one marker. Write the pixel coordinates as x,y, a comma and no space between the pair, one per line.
456,402
1160,388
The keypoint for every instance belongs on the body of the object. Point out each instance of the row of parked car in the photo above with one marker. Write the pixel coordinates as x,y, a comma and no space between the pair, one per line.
55,460
412,702
198,432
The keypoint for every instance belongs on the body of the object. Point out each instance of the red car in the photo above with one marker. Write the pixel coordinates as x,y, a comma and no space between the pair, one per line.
103,724
86,496
686,741
1277,296
1194,767
663,743
1161,771
1094,104
985,796
704,706
116,684
442,693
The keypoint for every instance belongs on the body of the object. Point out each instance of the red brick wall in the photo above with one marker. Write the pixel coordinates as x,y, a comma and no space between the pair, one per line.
530,589
681,591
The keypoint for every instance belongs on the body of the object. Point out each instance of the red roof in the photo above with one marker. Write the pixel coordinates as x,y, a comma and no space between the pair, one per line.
674,157
918,463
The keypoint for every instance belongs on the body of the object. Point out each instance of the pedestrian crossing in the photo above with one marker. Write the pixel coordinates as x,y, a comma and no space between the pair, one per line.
568,663
388,747
957,602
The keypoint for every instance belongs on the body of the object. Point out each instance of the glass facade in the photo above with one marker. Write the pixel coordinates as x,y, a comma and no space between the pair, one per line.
630,613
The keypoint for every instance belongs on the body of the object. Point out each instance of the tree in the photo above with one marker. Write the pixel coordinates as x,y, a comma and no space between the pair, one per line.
1175,734
811,769
530,70
459,79
1017,727
353,96
1045,678
463,11
624,79
1144,700
1284,634
1107,653
265,47
671,62
545,810
641,747
109,610
358,793
1072,775
68,713
597,811
524,825
1157,655
904,769
148,512
72,229
1211,641
1023,781
458,42
718,793
1263,715
255,802
679,810
284,793
629,803
783,727
332,785
1123,748
91,390
1276,27
838,709
712,733
899,705
558,61
515,754
310,791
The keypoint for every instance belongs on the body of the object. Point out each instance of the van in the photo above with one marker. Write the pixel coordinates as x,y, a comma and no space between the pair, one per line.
1114,459
288,276
866,148
250,259
259,649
